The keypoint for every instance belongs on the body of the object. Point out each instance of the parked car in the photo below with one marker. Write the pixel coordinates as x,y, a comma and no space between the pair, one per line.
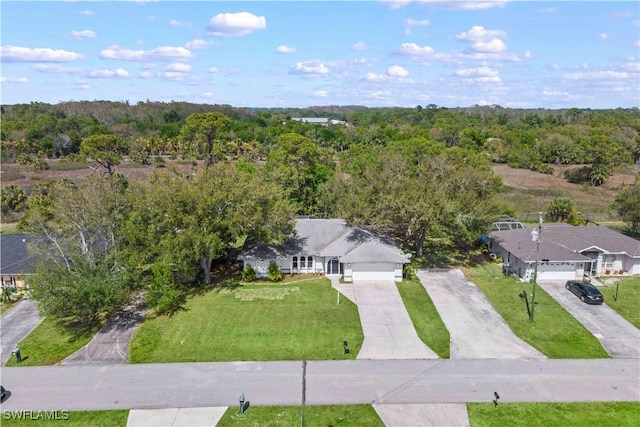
587,292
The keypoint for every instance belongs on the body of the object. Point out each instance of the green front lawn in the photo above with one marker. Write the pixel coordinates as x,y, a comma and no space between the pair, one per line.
574,414
254,322
628,301
554,332
48,344
425,317
115,418
286,416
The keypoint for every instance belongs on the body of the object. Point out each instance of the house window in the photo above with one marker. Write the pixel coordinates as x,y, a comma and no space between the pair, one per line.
302,263
310,262
295,262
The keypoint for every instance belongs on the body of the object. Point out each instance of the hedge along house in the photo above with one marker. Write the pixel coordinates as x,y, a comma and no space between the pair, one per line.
566,252
329,246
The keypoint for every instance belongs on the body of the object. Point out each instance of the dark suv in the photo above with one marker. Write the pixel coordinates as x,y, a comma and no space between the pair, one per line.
585,291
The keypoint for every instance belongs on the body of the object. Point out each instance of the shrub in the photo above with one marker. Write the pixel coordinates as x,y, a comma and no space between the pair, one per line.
274,274
249,274
140,157
40,164
158,162
23,159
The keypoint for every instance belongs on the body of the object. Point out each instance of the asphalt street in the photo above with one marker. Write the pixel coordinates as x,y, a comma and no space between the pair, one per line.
15,324
181,385
616,334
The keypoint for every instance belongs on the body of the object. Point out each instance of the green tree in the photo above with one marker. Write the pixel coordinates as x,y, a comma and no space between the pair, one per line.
627,204
300,167
559,209
105,150
199,134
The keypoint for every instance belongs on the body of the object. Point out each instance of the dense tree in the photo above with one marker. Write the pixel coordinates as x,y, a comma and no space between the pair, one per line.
105,150
199,134
627,204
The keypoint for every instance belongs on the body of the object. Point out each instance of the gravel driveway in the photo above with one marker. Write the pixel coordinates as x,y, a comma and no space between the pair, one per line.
618,337
476,329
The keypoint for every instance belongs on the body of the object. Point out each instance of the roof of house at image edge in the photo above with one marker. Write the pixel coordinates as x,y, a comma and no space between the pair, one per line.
14,257
330,238
565,242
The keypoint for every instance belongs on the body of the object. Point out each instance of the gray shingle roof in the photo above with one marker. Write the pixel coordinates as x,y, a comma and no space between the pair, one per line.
330,238
565,242
14,257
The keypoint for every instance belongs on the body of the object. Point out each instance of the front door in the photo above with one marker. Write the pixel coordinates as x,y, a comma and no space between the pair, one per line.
334,267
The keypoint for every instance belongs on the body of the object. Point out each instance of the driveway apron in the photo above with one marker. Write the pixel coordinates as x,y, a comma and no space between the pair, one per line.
476,329
616,334
388,330
111,344
419,415
15,324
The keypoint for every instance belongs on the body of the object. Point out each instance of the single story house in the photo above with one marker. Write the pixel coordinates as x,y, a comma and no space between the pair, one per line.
324,121
566,252
329,246
15,260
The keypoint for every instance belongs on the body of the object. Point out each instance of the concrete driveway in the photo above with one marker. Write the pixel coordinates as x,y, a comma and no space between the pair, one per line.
618,337
15,324
387,327
476,329
111,343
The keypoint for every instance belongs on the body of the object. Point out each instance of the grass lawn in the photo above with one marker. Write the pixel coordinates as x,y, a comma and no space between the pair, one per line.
73,419
286,416
48,344
554,332
628,302
425,317
254,322
578,414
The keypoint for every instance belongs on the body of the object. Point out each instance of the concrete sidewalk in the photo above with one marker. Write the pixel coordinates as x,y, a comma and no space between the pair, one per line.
419,415
176,417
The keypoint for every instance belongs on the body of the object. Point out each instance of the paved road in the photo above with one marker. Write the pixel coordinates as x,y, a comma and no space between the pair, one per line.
387,327
476,329
85,387
15,324
111,343
617,335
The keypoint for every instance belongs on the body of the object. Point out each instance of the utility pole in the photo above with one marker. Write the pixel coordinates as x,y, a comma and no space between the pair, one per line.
536,236
304,391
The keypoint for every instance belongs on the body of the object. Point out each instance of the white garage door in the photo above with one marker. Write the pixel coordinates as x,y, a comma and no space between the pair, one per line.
371,271
556,271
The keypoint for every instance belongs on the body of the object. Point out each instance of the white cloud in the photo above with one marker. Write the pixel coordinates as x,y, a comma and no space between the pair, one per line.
637,43
495,45
602,36
86,12
196,44
26,54
208,94
409,23
285,49
163,53
598,75
235,24
477,72
176,23
13,79
146,75
310,68
213,70
179,67
478,33
84,34
321,93
359,46
81,71
548,10
412,49
173,75
448,4
397,71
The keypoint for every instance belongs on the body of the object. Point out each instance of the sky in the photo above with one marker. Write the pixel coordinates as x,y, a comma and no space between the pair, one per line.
391,53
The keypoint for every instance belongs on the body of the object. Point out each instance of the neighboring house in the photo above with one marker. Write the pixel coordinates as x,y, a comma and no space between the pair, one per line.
566,252
319,121
329,246
15,260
